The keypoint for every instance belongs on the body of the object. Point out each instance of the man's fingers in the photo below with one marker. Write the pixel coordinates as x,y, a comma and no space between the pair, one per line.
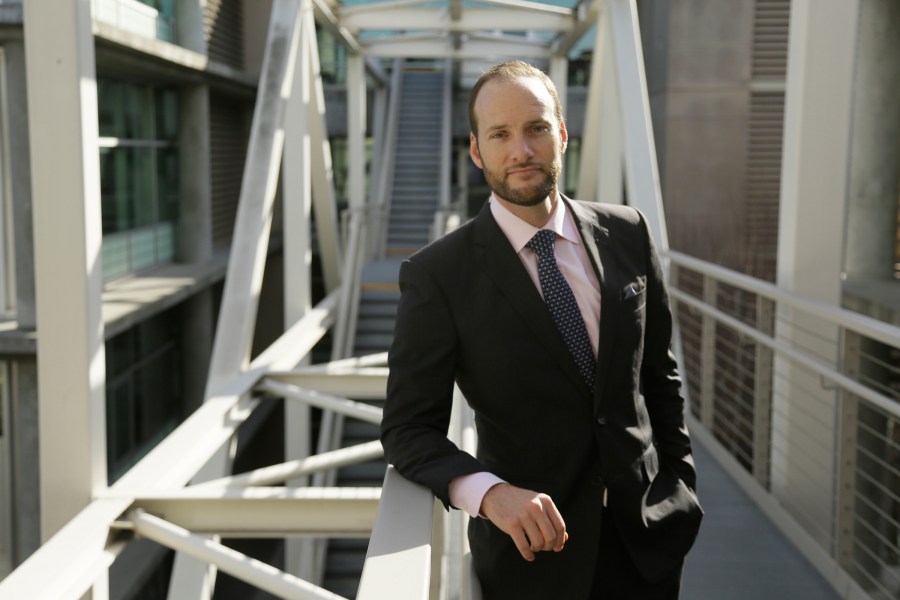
550,535
557,523
533,529
531,519
522,544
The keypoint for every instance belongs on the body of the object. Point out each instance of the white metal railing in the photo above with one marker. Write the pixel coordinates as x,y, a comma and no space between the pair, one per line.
801,401
414,541
135,17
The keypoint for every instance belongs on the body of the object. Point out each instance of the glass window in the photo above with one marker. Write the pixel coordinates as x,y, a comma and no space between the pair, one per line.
139,175
143,390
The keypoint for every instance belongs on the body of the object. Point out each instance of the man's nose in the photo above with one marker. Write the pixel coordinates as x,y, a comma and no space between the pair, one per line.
522,148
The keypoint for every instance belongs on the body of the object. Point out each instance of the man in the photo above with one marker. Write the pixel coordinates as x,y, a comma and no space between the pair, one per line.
583,485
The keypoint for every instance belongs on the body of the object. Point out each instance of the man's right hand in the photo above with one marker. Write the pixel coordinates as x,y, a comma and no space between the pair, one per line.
531,519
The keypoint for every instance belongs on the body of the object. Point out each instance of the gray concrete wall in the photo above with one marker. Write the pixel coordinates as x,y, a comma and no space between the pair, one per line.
699,76
875,145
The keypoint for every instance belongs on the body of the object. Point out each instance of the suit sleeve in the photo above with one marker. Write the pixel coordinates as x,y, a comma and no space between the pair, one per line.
422,362
660,380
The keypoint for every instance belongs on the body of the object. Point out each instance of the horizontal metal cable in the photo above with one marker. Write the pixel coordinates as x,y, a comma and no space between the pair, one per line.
782,349
877,534
866,326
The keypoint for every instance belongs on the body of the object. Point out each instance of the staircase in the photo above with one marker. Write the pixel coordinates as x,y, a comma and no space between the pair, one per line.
418,162
415,199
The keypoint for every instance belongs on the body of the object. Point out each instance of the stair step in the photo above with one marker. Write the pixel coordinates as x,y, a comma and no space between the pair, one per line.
375,315
375,341
372,326
373,296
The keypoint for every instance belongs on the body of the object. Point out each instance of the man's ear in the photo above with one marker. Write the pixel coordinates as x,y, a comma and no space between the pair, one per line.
473,151
563,137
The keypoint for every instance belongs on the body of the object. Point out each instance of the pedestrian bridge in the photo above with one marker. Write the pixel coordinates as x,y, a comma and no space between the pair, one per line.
792,404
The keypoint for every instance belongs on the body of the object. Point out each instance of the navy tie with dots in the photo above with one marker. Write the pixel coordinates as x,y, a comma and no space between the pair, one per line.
560,300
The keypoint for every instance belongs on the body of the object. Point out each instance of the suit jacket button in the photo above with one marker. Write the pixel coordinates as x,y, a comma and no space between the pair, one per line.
597,481
601,420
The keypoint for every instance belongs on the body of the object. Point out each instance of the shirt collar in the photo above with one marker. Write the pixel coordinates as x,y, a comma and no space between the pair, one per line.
519,232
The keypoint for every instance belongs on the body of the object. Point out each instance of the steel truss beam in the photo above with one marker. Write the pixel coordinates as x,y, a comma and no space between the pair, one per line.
259,574
442,47
268,512
363,384
341,406
471,20
297,468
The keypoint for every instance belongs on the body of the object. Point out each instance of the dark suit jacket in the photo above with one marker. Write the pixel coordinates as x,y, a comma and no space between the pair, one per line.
469,312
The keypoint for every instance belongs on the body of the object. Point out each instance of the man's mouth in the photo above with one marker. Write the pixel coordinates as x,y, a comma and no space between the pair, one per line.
524,170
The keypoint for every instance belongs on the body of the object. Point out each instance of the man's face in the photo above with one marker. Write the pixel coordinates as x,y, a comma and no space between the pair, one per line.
520,141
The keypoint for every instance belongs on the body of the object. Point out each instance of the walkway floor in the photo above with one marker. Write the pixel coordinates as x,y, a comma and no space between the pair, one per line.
740,554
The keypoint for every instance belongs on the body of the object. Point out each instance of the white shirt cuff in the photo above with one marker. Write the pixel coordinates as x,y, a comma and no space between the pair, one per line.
467,491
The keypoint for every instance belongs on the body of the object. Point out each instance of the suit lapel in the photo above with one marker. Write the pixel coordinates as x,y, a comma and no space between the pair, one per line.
601,252
504,267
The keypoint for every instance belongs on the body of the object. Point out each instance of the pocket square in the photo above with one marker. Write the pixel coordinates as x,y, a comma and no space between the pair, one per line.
630,291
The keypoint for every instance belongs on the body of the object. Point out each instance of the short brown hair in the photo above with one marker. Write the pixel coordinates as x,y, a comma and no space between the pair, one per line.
511,71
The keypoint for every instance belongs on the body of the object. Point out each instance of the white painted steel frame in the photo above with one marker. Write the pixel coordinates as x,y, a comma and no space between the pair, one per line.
65,192
250,243
267,512
398,561
263,576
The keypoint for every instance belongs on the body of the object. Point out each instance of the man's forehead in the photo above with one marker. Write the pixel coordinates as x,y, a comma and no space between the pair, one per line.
498,96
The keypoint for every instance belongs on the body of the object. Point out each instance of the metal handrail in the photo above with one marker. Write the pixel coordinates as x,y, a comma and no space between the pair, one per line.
793,412
867,326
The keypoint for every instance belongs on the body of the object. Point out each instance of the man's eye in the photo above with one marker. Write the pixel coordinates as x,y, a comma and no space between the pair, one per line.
497,135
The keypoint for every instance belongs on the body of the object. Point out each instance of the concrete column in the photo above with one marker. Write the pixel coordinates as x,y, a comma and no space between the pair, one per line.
20,183
195,218
62,116
817,121
25,479
194,240
874,144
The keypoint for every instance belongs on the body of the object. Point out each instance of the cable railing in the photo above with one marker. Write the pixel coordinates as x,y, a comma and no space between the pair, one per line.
801,401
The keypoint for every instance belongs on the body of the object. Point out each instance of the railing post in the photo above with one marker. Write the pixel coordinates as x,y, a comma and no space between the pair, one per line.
762,393
708,355
848,406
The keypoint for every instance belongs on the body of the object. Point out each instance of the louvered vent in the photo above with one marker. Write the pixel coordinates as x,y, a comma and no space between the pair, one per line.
771,21
228,149
224,30
763,179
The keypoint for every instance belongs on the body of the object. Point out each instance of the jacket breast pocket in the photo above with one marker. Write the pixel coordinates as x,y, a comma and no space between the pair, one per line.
634,294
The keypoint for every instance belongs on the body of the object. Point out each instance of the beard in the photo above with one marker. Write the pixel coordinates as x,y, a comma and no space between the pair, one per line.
528,195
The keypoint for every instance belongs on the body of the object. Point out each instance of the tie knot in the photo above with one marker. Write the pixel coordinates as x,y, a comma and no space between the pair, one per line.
542,242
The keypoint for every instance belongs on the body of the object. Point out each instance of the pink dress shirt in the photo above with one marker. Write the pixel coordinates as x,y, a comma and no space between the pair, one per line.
467,492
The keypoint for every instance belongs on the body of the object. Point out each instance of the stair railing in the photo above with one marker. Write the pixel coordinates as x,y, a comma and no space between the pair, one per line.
385,187
447,208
